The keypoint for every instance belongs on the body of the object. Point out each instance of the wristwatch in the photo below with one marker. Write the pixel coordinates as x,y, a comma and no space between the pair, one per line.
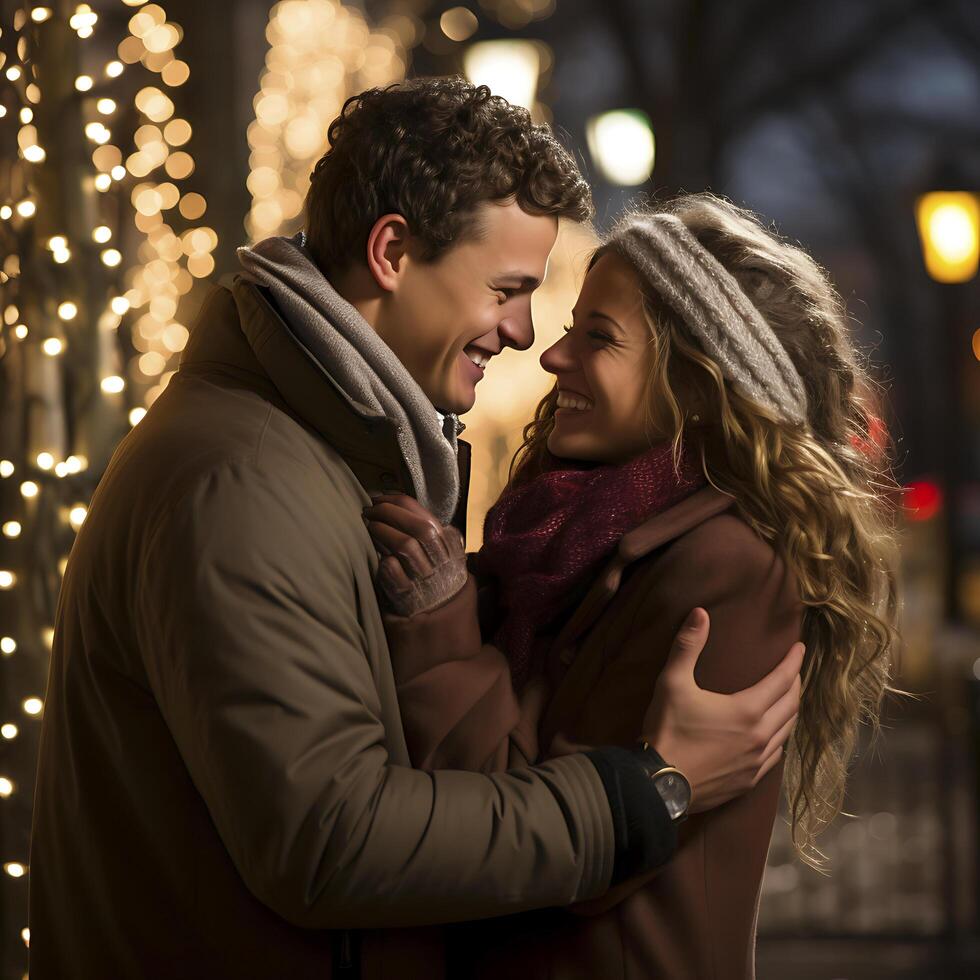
672,785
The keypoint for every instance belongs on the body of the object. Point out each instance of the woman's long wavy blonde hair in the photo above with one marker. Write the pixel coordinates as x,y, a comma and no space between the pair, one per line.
820,493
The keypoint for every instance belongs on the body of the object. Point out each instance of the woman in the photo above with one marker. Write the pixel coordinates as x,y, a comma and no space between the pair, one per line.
704,446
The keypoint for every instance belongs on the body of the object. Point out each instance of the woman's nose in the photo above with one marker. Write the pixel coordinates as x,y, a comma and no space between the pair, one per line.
559,356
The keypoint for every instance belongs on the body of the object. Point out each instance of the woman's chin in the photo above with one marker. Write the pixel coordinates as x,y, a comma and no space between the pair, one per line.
565,447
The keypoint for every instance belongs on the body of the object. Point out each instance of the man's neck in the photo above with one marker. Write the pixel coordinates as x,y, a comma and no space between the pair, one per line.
357,286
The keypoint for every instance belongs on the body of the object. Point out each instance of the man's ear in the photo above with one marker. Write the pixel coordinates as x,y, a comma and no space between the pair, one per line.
387,248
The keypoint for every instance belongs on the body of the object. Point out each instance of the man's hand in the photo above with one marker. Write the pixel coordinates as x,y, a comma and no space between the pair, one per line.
423,563
723,743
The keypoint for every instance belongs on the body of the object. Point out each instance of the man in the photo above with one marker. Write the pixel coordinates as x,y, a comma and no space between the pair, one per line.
223,784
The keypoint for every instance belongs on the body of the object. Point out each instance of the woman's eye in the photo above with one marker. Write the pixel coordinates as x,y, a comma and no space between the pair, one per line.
567,327
598,335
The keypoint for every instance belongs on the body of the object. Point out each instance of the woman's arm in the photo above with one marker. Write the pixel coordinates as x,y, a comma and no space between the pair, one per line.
755,616
459,709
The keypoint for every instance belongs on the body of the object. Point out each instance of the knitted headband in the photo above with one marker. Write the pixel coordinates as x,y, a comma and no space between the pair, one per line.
699,289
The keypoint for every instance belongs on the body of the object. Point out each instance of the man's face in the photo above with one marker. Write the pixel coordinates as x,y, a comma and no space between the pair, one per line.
447,318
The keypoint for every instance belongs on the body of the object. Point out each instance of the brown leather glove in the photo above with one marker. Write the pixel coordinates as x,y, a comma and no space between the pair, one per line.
423,563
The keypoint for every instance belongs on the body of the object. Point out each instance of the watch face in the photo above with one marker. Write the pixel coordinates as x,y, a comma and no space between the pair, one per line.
676,793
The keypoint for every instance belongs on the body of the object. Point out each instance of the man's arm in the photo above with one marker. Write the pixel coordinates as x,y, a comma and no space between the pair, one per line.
461,712
247,623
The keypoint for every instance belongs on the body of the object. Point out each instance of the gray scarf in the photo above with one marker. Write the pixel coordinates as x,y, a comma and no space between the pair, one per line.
363,365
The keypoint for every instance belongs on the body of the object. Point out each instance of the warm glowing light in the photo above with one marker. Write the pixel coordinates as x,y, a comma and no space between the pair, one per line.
118,172
509,68
45,461
14,869
20,331
976,344
57,242
8,645
622,146
113,384
7,579
111,256
949,230
458,23
84,83
29,489
52,346
114,69
40,14
9,730
193,206
102,234
106,106
6,786
12,529
67,310
34,154
119,305
103,182
175,73
83,20
98,133
76,516
33,706
136,416
27,209
76,464
6,468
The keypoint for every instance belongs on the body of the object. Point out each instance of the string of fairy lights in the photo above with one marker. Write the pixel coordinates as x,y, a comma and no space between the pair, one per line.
320,53
112,292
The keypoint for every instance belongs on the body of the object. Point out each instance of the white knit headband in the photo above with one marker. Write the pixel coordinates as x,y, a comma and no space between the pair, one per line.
699,289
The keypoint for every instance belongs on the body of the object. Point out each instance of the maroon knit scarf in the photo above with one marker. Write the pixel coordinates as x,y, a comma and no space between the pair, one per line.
546,540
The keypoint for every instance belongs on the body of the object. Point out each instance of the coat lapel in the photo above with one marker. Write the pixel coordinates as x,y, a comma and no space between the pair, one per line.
642,540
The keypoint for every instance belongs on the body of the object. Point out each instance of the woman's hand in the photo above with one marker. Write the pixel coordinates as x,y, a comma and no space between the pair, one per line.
423,563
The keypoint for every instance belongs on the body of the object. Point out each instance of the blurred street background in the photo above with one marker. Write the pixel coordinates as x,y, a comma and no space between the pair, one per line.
142,142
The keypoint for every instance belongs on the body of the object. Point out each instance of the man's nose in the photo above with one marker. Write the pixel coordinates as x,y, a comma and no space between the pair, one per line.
516,332
559,356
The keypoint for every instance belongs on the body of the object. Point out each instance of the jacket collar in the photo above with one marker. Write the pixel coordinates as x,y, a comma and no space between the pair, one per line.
241,333
654,533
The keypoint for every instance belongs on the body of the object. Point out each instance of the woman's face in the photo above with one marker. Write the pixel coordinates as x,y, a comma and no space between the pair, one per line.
601,366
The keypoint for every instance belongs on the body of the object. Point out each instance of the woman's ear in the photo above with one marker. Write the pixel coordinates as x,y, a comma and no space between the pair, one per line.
387,248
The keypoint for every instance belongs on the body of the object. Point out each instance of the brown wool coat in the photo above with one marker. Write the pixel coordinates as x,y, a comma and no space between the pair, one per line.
223,786
696,920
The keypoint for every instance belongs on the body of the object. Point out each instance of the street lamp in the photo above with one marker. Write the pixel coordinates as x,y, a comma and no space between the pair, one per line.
948,223
949,230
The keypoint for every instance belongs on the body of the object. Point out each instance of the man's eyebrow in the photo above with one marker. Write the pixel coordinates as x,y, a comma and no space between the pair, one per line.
526,281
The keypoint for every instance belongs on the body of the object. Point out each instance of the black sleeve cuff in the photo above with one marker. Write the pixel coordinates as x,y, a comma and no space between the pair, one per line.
646,837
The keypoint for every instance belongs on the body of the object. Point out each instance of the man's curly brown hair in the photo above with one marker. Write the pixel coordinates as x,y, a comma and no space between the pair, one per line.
432,150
